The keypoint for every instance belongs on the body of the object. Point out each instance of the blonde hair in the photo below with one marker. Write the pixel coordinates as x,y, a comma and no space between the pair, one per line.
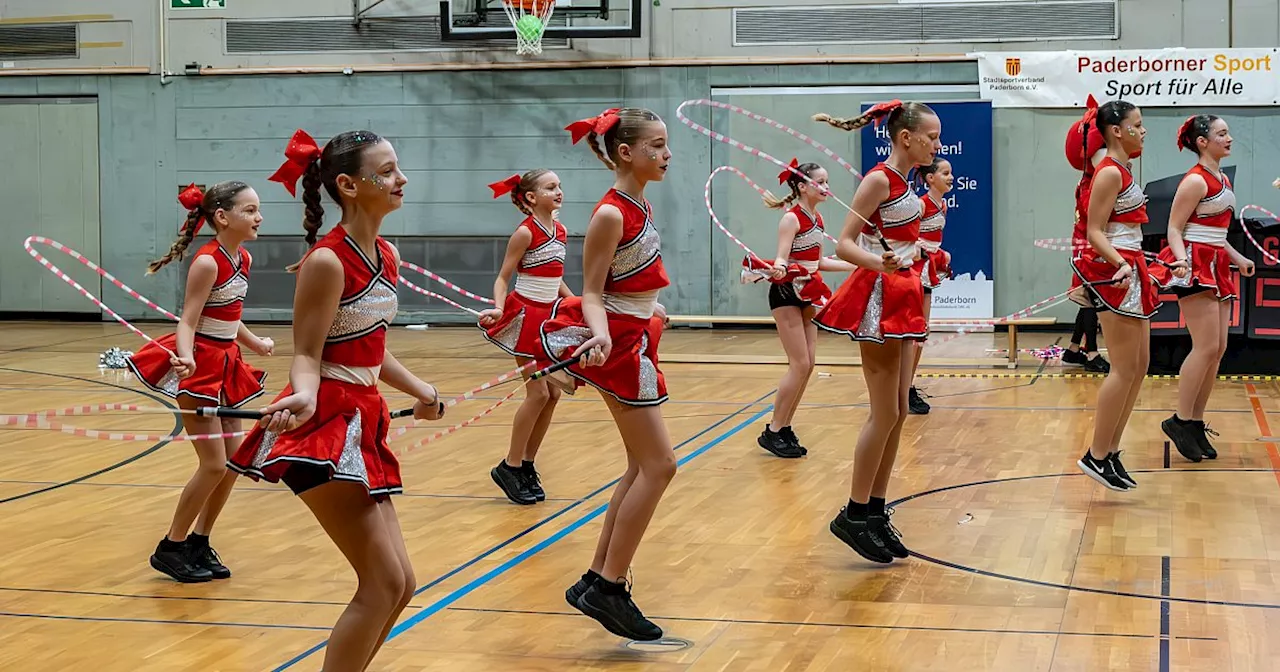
793,181
905,116
631,121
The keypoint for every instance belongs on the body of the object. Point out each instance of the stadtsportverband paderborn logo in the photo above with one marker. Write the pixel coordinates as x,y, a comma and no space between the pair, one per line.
1013,66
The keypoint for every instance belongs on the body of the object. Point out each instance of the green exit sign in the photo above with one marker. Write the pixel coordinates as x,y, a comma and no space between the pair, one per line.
198,4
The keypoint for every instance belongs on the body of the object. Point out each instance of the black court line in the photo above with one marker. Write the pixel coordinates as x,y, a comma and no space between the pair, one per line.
49,346
1166,454
160,621
825,624
1164,614
1062,586
177,427
285,491
187,598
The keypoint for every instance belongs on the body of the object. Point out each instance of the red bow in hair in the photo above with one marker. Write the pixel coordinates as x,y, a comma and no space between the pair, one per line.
506,186
882,110
299,155
1183,129
191,198
598,124
786,173
1090,110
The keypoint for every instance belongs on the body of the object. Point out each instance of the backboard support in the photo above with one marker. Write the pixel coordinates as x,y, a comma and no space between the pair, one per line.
587,19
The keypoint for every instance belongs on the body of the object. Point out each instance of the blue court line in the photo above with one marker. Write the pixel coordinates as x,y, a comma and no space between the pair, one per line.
494,549
476,583
160,621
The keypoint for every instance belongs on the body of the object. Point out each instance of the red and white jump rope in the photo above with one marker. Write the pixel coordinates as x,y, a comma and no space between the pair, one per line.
42,420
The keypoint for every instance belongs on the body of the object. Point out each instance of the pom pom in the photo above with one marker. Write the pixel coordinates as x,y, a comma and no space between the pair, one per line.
114,358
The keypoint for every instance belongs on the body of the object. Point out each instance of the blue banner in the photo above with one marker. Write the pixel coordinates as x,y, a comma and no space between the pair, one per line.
967,145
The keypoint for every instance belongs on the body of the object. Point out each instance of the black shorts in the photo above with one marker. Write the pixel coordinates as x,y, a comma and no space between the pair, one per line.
1184,292
784,294
301,477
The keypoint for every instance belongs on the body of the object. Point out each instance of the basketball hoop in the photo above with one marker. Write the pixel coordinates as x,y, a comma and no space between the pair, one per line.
530,19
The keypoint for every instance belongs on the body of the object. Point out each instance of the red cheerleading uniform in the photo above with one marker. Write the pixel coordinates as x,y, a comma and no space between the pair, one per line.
222,376
936,265
537,287
1205,238
806,288
1124,230
873,306
636,274
346,438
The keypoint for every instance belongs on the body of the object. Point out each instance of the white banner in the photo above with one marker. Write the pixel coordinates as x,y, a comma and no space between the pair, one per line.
1150,77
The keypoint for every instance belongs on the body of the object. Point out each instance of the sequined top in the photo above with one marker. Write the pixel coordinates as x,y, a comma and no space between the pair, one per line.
899,215
220,317
1131,202
806,246
545,256
637,261
931,225
1218,206
357,337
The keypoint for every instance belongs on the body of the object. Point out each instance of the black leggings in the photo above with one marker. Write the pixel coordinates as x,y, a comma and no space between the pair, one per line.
1086,331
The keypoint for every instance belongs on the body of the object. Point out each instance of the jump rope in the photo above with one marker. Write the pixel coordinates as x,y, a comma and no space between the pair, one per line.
44,419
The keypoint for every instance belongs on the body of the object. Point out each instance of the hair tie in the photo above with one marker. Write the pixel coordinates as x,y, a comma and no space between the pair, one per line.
505,186
881,110
599,124
1183,129
786,174
299,155
191,198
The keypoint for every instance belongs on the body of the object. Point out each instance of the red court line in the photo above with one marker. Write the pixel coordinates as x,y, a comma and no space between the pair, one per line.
1260,416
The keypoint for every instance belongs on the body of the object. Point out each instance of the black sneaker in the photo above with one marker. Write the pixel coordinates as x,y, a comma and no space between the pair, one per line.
533,482
1114,459
884,529
1202,438
916,404
1073,358
512,482
1097,364
791,438
202,555
860,536
775,443
1102,471
611,606
576,590
1183,433
174,559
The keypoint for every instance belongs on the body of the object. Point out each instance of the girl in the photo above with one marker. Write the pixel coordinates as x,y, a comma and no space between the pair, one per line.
616,326
935,263
208,368
793,302
325,436
881,305
535,254
1201,257
1085,148
1125,294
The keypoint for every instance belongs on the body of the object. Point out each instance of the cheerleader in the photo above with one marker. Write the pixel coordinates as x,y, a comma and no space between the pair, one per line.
616,325
325,436
934,263
1201,260
1121,289
535,254
208,368
1084,149
881,306
794,300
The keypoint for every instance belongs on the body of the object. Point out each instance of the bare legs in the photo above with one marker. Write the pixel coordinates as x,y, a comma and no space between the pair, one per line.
799,338
1130,346
532,419
1207,320
207,490
888,376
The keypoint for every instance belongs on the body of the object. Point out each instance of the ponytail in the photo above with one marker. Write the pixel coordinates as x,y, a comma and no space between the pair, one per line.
179,248
201,207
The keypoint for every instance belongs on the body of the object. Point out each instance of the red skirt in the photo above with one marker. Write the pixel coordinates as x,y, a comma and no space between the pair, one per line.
221,377
873,306
1140,299
1210,269
518,332
630,374
934,268
347,436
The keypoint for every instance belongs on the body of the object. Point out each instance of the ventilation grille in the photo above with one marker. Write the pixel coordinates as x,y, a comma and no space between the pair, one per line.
1031,21
401,34
39,42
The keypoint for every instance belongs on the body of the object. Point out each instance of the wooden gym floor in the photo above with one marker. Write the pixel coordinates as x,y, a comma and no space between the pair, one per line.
1024,563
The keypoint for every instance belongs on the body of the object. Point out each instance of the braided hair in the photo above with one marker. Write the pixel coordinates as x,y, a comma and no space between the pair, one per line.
793,182
220,196
342,155
631,121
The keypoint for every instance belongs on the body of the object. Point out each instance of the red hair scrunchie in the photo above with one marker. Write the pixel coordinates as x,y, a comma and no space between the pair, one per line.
191,198
599,124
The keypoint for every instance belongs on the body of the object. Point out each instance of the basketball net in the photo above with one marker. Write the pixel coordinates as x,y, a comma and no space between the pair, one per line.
530,19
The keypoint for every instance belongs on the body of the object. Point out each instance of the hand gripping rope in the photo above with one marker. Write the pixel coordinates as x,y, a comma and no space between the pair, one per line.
720,137
755,274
